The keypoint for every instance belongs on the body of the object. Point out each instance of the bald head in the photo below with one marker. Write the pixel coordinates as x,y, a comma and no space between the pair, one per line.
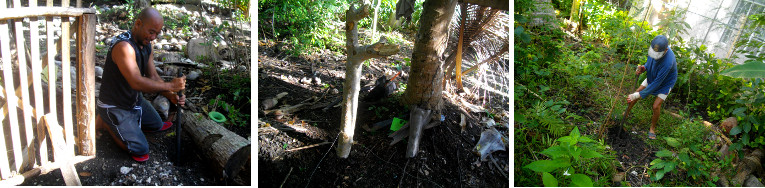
149,13
147,25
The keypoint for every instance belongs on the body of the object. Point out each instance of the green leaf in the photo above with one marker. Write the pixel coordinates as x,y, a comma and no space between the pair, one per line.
549,180
548,165
659,175
735,130
587,154
664,153
581,180
684,157
575,133
555,152
565,140
672,141
745,139
658,165
754,69
747,126
669,166
585,139
739,111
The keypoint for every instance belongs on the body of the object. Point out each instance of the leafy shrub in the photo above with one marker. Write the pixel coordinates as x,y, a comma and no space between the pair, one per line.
572,153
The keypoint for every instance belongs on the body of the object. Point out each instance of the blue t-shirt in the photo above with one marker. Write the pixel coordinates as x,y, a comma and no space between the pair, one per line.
661,73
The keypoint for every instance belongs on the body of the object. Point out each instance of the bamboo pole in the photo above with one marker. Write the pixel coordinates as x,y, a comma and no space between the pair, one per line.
11,101
36,71
49,11
22,62
86,49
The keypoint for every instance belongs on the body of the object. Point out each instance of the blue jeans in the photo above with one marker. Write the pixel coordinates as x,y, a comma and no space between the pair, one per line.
127,125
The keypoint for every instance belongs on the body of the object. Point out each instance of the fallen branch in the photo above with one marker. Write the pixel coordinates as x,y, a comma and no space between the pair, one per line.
309,146
287,177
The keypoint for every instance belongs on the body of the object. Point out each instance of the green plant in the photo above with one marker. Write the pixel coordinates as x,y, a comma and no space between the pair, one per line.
379,110
572,151
690,154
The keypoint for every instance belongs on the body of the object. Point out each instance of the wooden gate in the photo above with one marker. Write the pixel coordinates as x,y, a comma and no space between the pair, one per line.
27,113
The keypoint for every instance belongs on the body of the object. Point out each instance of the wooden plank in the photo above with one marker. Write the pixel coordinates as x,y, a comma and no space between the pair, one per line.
36,71
5,52
51,69
23,84
26,12
86,95
61,153
11,102
66,79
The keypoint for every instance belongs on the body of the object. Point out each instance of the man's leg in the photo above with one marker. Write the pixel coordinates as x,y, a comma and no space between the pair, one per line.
124,129
656,112
150,120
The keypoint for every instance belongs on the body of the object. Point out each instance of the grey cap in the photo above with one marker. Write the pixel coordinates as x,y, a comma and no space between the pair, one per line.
659,43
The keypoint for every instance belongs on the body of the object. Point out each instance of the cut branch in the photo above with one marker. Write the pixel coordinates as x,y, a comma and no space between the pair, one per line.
356,55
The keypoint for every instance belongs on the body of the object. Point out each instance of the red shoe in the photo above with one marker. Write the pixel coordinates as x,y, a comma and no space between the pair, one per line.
141,158
165,126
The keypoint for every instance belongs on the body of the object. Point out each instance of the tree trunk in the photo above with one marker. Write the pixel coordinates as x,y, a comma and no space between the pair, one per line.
424,86
229,152
356,56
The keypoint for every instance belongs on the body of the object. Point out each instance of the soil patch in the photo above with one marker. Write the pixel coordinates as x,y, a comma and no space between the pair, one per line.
633,154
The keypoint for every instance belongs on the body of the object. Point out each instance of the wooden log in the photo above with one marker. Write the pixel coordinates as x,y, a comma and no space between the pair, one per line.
61,153
36,85
86,95
10,105
229,152
26,12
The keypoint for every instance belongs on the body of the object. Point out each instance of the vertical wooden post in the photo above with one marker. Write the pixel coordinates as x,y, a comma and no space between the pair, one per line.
51,66
86,49
10,96
66,80
36,71
24,86
5,51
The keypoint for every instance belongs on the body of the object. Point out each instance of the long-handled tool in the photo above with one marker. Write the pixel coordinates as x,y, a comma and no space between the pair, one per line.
178,123
624,117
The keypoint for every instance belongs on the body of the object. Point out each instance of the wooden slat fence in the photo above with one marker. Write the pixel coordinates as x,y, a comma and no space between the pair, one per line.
23,102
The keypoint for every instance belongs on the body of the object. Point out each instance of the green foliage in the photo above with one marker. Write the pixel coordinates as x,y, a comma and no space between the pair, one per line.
241,8
753,69
688,153
564,6
304,23
572,153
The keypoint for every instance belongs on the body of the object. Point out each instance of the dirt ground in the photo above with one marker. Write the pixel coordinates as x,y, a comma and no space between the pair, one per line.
632,153
444,160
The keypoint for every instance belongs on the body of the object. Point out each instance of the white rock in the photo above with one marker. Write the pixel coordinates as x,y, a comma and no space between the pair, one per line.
174,40
125,170
99,71
199,47
193,75
162,105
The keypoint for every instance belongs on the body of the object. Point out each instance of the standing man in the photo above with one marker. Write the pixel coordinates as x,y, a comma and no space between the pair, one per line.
661,74
129,71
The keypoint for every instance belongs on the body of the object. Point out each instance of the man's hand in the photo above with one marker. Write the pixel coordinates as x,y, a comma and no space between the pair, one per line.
639,69
632,97
178,100
178,84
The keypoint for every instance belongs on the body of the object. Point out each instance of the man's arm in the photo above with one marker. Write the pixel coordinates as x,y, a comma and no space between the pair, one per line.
124,56
155,76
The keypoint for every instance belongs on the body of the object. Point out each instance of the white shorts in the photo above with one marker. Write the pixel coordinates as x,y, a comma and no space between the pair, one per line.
662,96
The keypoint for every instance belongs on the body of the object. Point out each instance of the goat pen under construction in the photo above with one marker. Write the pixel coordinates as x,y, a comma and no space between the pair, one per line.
37,109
